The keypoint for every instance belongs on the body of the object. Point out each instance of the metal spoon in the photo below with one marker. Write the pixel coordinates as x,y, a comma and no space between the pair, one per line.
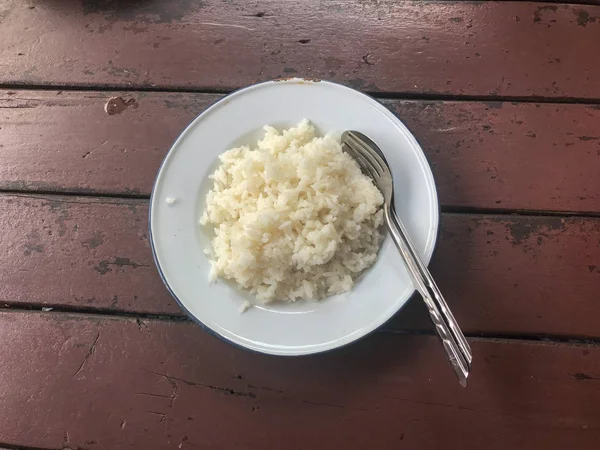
373,163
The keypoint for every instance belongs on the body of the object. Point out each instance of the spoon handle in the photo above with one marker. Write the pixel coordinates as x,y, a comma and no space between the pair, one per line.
454,342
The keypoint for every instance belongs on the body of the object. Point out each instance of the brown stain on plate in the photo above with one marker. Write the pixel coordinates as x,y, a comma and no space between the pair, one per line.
298,80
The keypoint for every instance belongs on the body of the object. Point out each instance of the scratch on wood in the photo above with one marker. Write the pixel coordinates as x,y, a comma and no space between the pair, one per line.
80,201
90,352
580,376
262,388
465,408
172,397
163,416
222,390
230,25
94,149
154,395
140,323
330,405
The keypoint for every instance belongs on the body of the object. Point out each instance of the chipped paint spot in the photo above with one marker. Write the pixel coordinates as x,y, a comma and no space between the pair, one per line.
120,72
583,17
537,15
95,241
367,61
521,231
360,84
581,376
104,266
135,29
29,249
494,105
332,63
116,105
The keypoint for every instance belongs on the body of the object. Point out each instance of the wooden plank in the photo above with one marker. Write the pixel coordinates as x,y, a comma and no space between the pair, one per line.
500,274
164,385
516,275
451,48
72,141
509,155
79,252
484,155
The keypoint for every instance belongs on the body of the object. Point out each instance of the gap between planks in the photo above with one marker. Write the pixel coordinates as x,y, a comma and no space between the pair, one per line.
4,446
139,318
425,96
143,198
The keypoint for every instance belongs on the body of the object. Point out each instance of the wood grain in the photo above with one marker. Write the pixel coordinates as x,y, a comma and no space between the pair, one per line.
483,155
79,252
164,385
68,141
500,274
516,275
440,48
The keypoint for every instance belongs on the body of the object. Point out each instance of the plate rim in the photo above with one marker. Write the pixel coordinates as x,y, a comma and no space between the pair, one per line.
216,103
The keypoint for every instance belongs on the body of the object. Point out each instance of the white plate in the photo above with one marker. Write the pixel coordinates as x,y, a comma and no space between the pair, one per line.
178,241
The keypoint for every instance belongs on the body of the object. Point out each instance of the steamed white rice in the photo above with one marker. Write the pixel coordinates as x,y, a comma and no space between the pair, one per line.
293,218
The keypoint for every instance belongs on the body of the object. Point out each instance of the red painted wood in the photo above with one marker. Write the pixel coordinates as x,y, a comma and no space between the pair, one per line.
457,48
484,155
113,383
516,275
79,252
67,141
500,274
510,156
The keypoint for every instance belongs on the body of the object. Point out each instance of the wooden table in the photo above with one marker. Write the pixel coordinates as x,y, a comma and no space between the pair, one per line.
505,100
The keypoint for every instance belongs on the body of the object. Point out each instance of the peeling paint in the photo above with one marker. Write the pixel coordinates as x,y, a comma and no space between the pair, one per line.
583,17
104,266
520,231
116,105
537,15
152,11
95,241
